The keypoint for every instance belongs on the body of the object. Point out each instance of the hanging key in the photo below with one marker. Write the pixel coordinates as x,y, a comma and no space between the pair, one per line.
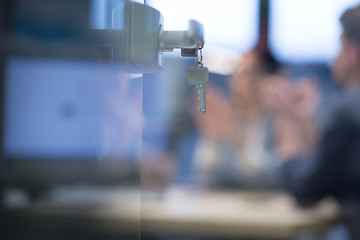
198,76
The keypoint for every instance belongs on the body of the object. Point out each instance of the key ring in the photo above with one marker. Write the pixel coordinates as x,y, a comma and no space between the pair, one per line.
197,62
197,55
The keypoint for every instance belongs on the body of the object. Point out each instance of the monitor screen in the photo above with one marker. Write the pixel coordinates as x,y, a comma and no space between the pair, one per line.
71,109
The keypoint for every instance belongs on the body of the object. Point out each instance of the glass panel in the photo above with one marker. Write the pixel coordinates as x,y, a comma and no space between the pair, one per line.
167,96
72,128
173,181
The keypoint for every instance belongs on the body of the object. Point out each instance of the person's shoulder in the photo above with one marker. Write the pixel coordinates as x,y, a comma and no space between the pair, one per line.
348,107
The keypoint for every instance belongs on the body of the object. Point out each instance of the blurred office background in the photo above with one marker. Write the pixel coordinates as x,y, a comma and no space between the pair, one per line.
303,36
80,131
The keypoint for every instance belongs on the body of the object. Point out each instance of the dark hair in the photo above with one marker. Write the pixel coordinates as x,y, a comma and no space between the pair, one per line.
268,62
350,21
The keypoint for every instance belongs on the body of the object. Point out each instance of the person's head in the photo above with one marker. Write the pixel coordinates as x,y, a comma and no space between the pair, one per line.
347,64
251,70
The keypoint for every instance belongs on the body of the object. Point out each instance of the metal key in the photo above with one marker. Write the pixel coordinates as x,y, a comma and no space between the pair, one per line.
198,76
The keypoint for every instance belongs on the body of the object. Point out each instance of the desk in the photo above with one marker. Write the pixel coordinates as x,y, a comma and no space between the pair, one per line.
117,213
248,214
75,213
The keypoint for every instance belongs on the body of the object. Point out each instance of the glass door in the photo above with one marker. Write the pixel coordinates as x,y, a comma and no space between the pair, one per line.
71,125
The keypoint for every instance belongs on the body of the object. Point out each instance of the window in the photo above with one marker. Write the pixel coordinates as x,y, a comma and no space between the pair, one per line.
306,30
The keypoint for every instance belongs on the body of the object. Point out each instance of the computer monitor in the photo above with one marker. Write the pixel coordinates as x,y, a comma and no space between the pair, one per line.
69,121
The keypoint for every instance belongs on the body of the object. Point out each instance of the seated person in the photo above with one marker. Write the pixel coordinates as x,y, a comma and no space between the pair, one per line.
234,146
326,164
